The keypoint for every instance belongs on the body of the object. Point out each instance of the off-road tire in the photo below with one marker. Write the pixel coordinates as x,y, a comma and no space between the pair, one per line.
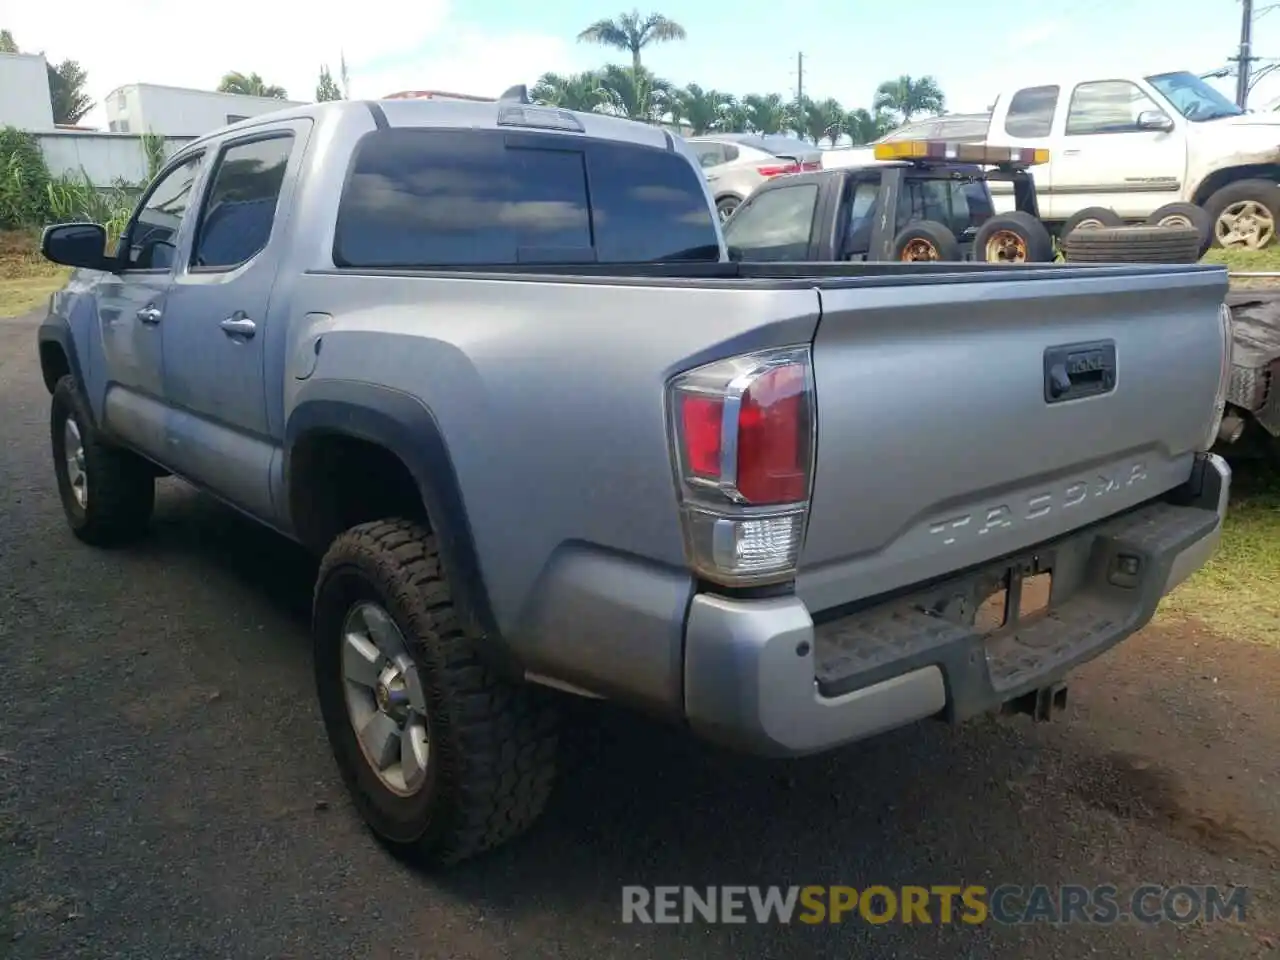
1099,217
1032,236
937,236
493,742
1138,244
121,485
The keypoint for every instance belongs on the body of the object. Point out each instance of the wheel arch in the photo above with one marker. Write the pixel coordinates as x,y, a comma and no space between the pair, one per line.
402,454
1220,178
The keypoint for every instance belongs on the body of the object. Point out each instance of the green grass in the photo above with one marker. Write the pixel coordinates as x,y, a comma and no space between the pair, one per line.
1248,260
1237,594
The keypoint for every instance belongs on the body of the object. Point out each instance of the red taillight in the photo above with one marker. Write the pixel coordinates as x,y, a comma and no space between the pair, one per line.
702,419
777,171
742,431
811,166
773,438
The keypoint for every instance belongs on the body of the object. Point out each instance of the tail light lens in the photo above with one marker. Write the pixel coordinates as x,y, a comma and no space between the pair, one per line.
1227,329
777,170
743,436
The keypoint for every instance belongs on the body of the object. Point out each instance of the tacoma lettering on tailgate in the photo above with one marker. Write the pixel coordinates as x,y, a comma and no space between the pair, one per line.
1037,506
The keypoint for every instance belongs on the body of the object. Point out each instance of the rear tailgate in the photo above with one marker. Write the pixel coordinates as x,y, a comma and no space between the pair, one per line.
937,446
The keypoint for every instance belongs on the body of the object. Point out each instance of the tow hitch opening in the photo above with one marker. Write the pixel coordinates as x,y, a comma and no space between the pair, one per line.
1039,704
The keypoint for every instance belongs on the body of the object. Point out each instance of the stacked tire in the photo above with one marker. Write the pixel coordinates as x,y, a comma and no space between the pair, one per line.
1175,233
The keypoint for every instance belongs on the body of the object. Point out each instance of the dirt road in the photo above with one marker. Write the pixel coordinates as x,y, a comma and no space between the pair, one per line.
166,789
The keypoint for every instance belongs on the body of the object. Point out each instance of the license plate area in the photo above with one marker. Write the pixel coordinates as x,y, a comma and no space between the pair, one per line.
1017,597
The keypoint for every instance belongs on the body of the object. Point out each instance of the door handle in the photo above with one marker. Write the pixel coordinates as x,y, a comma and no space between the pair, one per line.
1071,153
150,314
239,326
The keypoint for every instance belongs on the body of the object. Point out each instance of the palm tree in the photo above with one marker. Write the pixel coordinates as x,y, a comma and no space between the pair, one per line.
635,94
862,127
907,96
577,91
767,113
250,85
703,110
827,121
633,31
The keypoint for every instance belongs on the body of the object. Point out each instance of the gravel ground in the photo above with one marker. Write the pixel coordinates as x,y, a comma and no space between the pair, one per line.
166,789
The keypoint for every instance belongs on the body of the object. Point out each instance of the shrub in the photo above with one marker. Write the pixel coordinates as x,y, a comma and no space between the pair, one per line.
24,180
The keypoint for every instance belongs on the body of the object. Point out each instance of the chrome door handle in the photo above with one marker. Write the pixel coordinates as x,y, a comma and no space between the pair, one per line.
1071,153
239,327
149,315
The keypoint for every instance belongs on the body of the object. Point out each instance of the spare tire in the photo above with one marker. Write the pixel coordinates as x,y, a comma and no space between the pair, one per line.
1090,218
1180,214
1140,244
1013,238
926,240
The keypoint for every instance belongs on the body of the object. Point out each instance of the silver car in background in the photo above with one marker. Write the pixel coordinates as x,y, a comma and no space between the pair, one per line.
737,163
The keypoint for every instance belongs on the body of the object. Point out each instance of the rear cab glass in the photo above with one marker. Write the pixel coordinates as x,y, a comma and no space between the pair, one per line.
774,225
420,198
1031,112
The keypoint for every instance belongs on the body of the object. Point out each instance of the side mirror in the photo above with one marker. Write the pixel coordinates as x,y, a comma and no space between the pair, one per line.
76,245
1154,120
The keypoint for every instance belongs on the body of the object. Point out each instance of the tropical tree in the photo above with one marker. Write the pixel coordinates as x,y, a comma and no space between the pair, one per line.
862,126
66,92
326,89
250,85
7,43
767,113
703,110
575,91
635,94
826,121
908,96
632,31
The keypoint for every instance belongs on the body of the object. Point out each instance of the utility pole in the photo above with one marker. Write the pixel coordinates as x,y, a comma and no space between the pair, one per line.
799,76
1245,59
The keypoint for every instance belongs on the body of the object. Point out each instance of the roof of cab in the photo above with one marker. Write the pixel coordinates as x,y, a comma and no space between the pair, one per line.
468,113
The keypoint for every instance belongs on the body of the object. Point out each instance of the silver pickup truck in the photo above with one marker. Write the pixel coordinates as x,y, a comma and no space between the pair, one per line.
492,363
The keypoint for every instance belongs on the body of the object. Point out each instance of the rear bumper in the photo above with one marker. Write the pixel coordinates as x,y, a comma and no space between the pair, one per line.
761,676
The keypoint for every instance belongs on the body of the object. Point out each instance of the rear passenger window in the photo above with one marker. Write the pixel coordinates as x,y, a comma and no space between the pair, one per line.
445,198
241,204
1031,112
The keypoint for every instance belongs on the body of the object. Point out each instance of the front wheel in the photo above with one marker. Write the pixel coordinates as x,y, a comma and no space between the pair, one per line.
1244,214
107,493
443,759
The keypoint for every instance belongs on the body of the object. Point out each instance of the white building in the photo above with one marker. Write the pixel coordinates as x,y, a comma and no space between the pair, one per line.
24,92
180,112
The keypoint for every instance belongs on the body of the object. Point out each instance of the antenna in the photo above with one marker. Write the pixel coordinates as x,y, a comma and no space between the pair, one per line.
519,93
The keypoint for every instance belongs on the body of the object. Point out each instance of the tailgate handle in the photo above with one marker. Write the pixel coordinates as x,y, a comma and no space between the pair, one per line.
1074,371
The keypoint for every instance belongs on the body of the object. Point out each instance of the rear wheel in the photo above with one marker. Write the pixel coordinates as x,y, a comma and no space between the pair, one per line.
1013,238
442,758
107,492
926,240
725,207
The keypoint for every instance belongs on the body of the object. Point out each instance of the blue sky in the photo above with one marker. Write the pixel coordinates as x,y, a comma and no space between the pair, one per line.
850,46
741,46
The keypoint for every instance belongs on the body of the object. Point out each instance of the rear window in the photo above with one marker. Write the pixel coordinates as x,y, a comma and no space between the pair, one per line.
420,198
963,205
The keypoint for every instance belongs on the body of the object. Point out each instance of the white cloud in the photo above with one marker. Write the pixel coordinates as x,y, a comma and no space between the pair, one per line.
389,45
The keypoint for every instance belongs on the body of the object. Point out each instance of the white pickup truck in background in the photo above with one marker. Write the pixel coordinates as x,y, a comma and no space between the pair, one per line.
1133,144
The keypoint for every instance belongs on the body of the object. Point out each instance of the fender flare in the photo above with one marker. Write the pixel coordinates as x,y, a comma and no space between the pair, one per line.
404,426
56,330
